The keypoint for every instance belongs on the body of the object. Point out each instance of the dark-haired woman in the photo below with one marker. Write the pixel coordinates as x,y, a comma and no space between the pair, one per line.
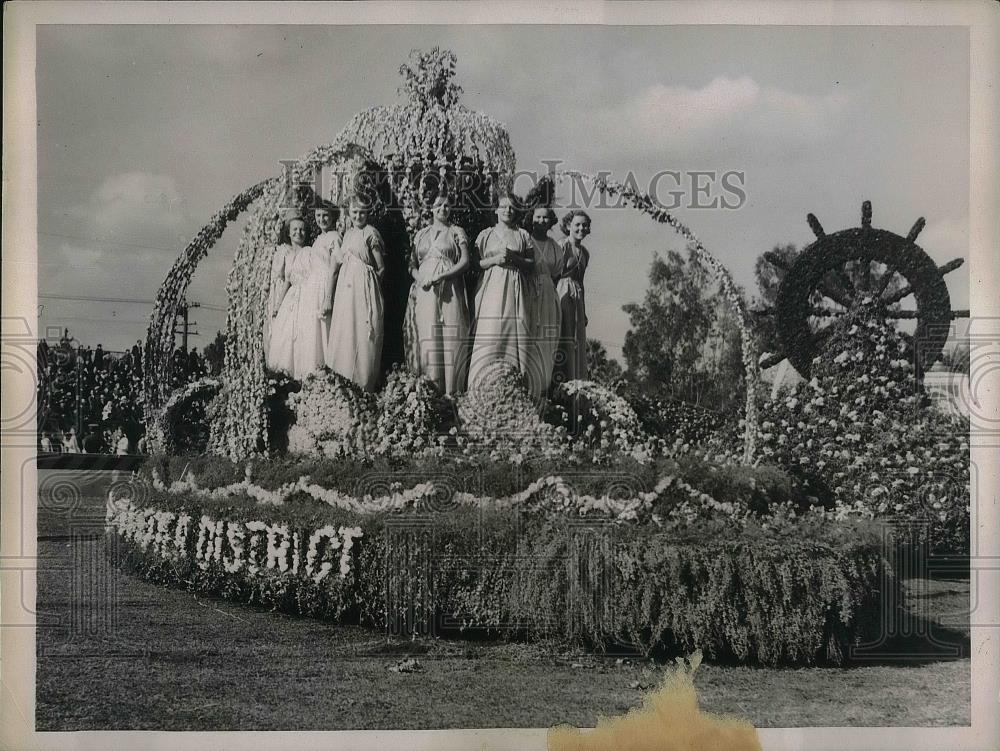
572,360
296,305
545,311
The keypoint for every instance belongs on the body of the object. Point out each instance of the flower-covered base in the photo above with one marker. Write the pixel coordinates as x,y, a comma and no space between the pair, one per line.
770,598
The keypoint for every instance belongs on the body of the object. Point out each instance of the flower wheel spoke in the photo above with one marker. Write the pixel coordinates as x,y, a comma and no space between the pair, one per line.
836,295
898,295
902,314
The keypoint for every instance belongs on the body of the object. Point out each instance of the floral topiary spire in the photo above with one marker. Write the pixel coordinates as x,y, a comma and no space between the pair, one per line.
428,79
432,123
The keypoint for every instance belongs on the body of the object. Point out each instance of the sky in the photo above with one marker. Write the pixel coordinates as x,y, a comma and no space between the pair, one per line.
145,131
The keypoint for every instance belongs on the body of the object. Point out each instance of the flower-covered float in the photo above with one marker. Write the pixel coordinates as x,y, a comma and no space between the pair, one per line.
578,518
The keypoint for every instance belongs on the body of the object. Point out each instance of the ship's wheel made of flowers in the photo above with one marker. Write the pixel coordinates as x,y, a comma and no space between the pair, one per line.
834,275
403,156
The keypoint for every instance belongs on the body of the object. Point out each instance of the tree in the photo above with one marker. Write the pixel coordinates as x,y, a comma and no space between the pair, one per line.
684,342
769,270
600,367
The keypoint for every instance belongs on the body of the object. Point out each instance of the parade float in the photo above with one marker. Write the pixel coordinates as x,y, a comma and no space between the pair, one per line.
569,520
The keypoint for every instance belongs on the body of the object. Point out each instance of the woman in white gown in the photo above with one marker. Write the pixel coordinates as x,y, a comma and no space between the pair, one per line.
545,313
355,345
500,329
296,303
440,308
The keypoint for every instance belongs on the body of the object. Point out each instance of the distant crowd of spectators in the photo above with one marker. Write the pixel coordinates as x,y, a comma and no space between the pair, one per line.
91,400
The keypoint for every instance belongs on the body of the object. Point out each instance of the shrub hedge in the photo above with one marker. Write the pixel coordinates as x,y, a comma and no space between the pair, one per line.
761,596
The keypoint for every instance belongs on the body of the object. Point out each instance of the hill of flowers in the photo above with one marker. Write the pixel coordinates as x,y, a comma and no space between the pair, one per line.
862,437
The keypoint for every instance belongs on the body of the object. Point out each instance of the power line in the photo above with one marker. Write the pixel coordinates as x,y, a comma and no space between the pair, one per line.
80,298
93,320
84,298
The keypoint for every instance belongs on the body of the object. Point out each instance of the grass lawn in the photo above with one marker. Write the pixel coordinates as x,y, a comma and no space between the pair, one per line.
117,653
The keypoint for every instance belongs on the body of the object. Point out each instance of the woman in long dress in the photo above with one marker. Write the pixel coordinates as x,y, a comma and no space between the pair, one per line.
441,312
501,329
297,302
327,245
545,314
357,319
571,362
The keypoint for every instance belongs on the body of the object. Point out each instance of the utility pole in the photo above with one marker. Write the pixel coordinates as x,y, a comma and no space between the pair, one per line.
185,324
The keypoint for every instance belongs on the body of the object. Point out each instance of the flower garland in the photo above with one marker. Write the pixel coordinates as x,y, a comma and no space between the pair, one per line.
160,333
159,431
545,495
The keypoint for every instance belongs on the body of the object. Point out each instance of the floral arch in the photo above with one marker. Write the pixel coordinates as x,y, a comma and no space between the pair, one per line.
403,152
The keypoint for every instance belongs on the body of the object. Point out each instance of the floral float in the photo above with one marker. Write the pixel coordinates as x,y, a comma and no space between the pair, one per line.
304,531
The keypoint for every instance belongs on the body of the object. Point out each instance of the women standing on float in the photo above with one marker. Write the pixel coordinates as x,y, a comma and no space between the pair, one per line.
297,302
500,327
572,362
545,312
441,311
355,344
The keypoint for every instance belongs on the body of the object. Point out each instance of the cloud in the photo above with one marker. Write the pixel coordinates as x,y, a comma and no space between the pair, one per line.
129,229
681,111
725,113
70,269
136,206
